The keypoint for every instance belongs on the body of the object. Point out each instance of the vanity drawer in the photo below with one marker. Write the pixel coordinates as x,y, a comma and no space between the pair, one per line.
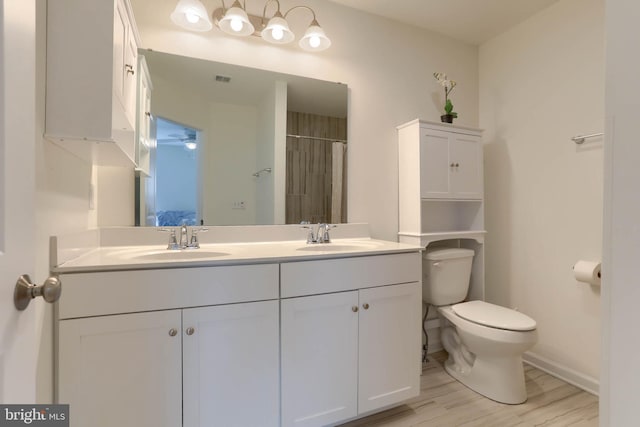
114,292
344,274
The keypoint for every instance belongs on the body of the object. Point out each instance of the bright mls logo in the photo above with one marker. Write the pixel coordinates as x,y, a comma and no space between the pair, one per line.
34,415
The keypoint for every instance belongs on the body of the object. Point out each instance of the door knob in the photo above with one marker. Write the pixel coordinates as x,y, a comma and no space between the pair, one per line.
25,291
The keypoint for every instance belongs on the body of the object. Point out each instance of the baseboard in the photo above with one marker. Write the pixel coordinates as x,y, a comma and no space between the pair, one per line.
585,382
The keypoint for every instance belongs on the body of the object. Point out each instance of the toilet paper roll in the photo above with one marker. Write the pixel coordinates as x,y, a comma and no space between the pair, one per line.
587,272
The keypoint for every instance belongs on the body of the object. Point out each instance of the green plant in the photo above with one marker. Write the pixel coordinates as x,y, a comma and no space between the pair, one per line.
448,87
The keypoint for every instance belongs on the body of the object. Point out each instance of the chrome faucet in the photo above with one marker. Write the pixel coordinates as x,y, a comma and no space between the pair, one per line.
184,236
185,242
321,235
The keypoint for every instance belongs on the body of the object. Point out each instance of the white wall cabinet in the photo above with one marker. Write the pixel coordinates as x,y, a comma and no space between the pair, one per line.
91,79
450,164
440,177
345,354
440,195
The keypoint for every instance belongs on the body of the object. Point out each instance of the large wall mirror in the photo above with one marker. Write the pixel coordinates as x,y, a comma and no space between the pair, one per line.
231,145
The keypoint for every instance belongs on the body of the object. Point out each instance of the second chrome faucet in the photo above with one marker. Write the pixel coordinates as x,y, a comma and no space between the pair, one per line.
321,235
184,241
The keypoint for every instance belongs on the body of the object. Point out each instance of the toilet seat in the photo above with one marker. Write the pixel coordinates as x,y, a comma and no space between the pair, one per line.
494,316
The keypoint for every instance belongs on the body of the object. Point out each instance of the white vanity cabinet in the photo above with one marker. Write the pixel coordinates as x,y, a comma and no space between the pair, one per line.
350,336
207,348
445,161
122,370
92,79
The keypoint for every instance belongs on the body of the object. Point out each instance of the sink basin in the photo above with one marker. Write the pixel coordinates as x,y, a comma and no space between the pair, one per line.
331,247
168,255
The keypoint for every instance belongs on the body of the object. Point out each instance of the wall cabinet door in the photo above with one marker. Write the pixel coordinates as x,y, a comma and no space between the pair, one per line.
122,370
231,365
434,164
465,153
125,63
389,345
450,165
145,144
319,359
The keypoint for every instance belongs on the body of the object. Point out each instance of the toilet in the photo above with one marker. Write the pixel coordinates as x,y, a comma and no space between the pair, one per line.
485,342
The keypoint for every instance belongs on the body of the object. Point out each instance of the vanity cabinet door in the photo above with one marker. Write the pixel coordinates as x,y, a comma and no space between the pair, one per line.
231,365
122,370
319,341
389,345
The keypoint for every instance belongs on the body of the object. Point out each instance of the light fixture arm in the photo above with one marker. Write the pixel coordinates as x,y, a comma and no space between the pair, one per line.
225,8
264,11
302,7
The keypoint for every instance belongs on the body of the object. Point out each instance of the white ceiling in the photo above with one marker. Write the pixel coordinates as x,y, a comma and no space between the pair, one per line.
472,21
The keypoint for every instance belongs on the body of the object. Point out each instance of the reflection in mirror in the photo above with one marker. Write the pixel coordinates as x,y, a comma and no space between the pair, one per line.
241,146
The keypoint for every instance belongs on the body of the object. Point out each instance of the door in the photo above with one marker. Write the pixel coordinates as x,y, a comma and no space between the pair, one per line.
434,164
319,341
465,153
18,339
123,370
389,368
231,367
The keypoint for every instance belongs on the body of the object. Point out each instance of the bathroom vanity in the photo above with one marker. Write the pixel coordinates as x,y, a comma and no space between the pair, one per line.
259,333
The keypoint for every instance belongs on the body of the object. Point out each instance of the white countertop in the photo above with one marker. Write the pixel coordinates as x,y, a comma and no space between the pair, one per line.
114,258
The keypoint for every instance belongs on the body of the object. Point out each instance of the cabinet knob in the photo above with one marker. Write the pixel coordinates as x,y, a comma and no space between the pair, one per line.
452,165
354,308
190,330
365,306
173,332
457,164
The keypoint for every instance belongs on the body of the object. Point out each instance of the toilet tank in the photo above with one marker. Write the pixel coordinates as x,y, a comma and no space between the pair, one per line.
446,273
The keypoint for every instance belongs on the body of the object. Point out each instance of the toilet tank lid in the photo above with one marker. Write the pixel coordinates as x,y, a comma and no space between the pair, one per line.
494,316
439,254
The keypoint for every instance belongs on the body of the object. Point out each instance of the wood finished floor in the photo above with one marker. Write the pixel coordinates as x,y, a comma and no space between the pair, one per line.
444,402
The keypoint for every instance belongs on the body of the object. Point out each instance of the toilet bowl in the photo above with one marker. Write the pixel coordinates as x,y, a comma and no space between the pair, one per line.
485,342
488,359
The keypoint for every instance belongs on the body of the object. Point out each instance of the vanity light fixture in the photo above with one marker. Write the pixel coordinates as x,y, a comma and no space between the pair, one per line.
235,21
190,145
191,15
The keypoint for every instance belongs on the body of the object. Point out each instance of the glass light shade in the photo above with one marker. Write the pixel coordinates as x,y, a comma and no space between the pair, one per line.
314,39
190,145
236,22
277,30
191,15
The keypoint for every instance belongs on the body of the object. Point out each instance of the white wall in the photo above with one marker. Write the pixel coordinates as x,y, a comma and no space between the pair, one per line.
388,67
232,134
62,205
621,290
541,83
